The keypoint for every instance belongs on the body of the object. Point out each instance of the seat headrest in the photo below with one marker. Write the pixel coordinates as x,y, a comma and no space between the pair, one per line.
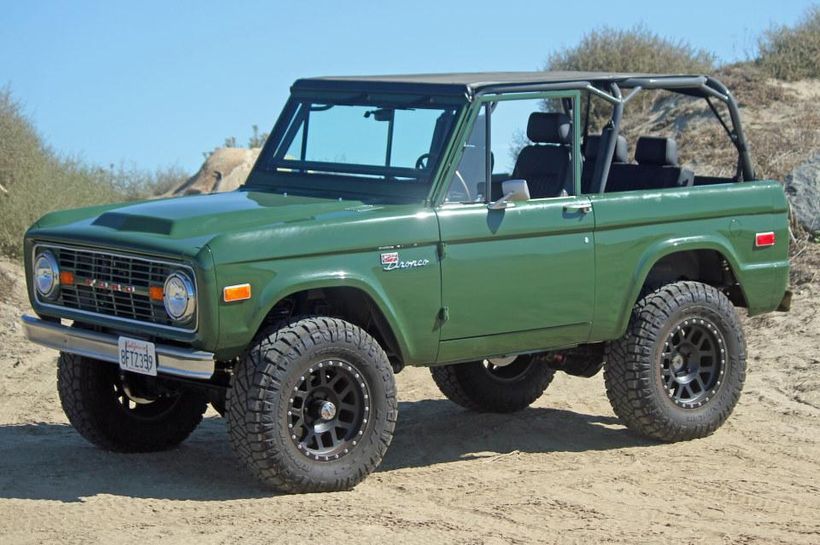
549,128
655,151
621,154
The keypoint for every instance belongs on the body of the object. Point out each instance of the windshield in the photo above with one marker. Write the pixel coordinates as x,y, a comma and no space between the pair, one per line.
378,149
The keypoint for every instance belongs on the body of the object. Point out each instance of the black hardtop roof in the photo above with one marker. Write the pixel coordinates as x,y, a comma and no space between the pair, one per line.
467,82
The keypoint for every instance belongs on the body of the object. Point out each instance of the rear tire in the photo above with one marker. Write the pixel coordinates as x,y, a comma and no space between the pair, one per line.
483,387
312,406
97,404
678,372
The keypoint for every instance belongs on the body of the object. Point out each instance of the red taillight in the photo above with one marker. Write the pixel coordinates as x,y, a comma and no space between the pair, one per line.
764,239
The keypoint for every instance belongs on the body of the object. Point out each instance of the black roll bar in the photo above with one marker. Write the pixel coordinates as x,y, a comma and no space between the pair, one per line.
610,139
702,86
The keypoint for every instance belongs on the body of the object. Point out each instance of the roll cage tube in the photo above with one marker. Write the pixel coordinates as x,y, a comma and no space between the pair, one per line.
610,138
739,139
700,86
705,86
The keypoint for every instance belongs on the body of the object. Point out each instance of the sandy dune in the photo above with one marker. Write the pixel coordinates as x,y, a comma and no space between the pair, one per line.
563,471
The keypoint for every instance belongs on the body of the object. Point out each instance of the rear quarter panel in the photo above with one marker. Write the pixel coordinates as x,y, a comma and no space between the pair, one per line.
633,230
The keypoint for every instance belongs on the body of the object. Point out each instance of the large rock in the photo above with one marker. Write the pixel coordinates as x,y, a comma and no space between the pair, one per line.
803,190
224,170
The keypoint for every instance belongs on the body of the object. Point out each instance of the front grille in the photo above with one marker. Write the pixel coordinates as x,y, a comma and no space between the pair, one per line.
112,285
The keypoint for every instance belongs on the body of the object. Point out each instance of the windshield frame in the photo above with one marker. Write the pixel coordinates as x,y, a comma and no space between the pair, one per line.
361,181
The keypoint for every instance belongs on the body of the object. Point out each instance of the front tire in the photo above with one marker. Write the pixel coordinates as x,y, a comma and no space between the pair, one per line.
678,372
483,386
312,406
97,403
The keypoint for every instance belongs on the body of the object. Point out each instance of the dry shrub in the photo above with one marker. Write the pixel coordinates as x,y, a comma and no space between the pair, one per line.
51,184
20,146
792,53
805,262
37,181
750,85
6,285
632,50
780,148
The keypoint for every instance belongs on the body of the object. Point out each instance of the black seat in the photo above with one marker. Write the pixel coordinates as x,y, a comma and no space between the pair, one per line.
546,165
657,168
593,143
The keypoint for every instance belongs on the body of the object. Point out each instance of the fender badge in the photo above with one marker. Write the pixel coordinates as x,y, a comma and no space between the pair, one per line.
390,261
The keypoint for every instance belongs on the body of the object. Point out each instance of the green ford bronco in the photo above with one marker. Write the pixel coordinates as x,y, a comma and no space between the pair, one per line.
492,226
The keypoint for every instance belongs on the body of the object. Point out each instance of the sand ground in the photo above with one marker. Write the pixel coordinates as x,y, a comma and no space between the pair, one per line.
563,471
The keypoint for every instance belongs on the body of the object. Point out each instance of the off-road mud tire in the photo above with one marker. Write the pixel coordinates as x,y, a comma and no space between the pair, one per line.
87,393
634,363
261,393
473,386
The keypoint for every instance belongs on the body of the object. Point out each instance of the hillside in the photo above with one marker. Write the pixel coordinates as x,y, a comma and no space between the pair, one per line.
225,169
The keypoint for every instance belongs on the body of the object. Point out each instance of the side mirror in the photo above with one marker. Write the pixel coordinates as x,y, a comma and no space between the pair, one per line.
513,190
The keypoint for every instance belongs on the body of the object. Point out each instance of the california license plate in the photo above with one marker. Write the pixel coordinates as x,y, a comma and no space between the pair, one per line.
137,356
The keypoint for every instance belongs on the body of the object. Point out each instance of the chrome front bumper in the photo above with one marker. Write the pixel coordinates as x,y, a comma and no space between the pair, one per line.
171,360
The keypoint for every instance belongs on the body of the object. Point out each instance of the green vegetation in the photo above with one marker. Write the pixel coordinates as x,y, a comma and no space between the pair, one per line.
792,53
35,180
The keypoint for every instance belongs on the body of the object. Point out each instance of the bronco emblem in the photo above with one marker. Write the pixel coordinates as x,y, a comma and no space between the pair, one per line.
390,261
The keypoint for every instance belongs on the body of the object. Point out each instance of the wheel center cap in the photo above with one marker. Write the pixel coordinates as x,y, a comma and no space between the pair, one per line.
678,362
326,410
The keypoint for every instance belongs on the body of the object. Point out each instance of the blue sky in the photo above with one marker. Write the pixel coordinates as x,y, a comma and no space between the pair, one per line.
154,84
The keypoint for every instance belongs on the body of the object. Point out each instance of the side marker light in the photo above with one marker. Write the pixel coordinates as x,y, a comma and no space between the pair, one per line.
238,292
764,239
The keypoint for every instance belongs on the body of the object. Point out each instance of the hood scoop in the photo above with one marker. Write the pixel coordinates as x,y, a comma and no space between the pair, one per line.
135,223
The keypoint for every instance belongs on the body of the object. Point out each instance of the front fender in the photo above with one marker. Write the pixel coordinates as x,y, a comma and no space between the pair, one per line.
408,299
331,279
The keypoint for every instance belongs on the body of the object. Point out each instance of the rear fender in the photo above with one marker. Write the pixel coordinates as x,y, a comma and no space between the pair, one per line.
663,248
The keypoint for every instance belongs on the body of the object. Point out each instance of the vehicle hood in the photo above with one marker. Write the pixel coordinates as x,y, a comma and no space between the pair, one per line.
185,224
193,216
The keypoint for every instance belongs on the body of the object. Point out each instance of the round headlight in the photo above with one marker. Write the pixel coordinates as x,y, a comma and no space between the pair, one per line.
179,298
46,274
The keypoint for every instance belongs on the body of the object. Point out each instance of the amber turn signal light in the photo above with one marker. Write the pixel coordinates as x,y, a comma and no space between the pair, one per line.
66,278
238,292
155,293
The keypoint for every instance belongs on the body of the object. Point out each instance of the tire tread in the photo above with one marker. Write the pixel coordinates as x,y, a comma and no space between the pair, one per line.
629,369
251,425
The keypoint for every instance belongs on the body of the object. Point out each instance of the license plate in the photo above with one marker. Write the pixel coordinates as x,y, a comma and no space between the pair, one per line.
137,356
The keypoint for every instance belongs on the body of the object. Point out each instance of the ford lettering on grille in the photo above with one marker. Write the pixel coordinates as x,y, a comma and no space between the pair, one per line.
103,285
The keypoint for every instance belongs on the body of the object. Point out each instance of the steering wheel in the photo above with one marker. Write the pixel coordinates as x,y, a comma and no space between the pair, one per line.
421,162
